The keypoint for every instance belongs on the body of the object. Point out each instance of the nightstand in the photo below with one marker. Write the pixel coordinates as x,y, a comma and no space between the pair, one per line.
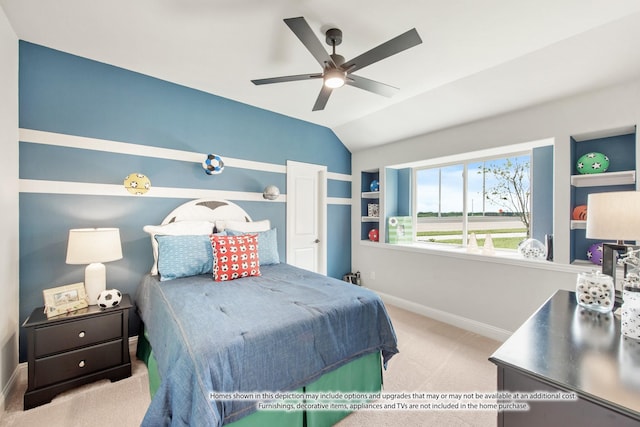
70,350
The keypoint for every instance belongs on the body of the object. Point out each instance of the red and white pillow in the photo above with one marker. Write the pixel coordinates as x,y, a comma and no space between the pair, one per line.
235,256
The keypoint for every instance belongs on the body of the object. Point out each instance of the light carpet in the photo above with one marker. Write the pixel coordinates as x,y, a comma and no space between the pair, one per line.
434,358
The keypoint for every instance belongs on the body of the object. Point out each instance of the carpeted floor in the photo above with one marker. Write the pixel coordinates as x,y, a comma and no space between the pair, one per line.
434,358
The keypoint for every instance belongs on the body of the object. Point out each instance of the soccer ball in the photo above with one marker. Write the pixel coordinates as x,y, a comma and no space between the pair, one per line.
373,235
137,184
594,253
593,163
374,186
213,164
109,298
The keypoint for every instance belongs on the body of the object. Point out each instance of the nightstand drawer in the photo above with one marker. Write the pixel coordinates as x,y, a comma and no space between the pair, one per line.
79,333
52,369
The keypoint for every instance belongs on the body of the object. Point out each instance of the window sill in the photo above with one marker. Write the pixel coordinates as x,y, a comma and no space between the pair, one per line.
499,257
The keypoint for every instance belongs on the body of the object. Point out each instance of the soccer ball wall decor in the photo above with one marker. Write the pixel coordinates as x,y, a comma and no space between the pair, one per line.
137,183
213,164
109,298
593,163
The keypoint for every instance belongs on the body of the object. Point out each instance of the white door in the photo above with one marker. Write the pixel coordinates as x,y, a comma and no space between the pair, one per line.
307,216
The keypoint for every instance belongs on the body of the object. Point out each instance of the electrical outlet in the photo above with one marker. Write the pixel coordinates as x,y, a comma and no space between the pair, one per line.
373,275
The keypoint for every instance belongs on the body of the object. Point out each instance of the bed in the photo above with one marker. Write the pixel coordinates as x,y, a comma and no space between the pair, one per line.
221,348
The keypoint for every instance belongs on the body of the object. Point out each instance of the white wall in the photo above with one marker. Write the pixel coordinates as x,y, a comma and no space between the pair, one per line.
8,205
483,294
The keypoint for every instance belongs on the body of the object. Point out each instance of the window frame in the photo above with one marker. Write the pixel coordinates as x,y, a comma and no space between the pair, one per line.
465,189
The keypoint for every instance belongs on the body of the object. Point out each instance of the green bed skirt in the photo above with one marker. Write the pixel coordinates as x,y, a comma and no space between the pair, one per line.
361,375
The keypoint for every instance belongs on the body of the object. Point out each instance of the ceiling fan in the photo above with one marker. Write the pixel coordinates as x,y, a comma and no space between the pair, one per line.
337,72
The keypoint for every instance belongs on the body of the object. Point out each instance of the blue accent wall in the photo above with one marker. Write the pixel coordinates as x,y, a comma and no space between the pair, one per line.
67,94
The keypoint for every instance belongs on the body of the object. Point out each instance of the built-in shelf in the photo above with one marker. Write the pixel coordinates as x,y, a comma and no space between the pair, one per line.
370,194
368,201
603,179
578,225
370,219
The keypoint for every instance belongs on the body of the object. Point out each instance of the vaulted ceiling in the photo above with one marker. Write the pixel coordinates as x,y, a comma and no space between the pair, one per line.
477,59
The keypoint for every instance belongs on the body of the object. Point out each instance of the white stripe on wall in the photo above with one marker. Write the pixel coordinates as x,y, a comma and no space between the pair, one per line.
81,142
339,201
92,189
82,188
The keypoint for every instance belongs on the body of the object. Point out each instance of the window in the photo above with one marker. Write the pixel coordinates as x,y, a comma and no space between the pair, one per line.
479,197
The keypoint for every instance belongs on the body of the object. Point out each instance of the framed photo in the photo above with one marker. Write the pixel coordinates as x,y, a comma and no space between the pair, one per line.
64,299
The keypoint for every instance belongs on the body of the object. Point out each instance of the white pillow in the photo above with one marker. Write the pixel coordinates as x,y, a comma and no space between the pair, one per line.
243,226
180,228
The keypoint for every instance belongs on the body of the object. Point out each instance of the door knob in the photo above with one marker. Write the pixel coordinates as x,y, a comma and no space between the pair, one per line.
316,241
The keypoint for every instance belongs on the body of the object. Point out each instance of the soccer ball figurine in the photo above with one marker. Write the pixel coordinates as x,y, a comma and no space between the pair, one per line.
592,163
137,183
213,164
109,298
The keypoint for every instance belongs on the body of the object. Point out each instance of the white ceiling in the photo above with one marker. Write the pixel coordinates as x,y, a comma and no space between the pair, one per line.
477,59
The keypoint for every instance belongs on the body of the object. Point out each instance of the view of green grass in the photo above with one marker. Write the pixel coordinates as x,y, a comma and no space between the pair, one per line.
498,242
446,233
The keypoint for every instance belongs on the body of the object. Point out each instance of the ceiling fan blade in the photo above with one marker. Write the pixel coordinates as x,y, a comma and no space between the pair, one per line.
286,79
396,45
371,85
301,28
323,97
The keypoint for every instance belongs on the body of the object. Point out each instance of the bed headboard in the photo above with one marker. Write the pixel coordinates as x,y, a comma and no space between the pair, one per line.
207,210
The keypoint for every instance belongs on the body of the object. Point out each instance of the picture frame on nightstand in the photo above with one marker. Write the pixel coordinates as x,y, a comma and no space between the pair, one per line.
64,299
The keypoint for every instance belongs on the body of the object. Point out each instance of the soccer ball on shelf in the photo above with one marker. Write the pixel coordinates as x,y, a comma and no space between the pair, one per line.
592,163
213,164
580,213
109,298
137,183
373,235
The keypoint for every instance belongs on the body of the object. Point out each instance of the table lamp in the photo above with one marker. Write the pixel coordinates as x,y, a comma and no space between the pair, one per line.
93,246
613,216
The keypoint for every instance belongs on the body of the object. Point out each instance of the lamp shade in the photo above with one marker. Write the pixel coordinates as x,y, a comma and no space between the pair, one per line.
614,216
90,245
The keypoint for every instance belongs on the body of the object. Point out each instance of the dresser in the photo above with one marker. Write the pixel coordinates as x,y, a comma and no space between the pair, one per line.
66,351
563,350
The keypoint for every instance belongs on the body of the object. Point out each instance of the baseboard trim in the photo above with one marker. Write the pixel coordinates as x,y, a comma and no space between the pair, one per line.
8,388
480,328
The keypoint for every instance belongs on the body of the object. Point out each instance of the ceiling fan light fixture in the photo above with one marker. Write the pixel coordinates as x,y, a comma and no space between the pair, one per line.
334,78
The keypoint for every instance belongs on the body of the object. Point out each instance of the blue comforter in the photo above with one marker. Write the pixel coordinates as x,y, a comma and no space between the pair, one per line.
276,332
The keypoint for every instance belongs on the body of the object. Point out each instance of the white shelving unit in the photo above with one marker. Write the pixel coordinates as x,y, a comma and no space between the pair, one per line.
604,179
367,197
578,225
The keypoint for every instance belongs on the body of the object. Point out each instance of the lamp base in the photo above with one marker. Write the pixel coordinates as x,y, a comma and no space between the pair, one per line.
95,281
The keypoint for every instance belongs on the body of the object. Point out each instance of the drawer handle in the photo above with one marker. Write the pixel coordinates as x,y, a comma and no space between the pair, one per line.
81,364
81,334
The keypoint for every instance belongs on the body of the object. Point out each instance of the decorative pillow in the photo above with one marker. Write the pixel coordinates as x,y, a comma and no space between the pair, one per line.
267,245
183,256
247,227
235,257
175,229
